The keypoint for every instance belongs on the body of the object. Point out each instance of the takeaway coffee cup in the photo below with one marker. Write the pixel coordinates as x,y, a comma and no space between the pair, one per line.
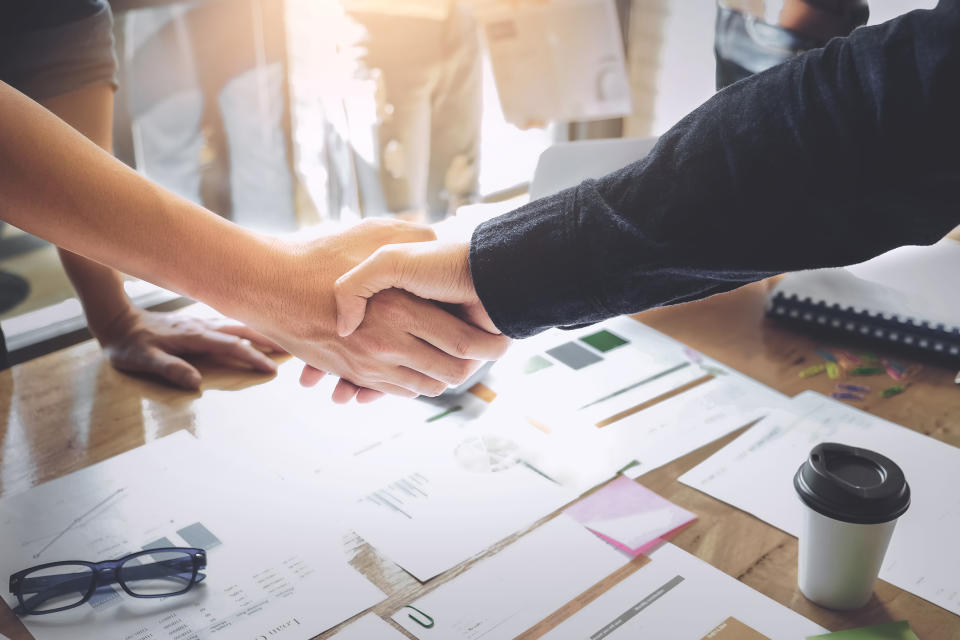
852,498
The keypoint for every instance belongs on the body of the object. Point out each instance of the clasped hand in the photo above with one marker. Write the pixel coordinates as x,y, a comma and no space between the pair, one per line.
402,344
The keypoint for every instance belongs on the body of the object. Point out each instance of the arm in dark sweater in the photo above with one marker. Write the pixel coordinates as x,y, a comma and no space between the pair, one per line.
834,157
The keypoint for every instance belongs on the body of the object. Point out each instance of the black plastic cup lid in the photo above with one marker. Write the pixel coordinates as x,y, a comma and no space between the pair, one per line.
852,484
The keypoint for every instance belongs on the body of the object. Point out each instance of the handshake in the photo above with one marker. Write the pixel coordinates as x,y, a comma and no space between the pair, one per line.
384,305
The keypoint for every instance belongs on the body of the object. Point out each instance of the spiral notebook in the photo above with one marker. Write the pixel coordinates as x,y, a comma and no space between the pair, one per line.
908,298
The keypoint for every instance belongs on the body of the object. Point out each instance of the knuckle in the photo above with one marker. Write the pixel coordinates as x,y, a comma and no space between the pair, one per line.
362,375
462,348
462,370
433,388
375,344
503,343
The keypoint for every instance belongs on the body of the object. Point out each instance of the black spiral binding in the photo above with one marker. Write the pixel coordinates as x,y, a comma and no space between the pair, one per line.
918,338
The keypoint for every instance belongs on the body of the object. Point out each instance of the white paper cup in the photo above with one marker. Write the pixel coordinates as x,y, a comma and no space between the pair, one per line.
851,499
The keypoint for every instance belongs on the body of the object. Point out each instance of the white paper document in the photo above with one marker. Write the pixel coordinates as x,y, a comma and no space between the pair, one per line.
439,495
369,627
678,595
503,596
296,431
583,404
270,550
581,376
922,557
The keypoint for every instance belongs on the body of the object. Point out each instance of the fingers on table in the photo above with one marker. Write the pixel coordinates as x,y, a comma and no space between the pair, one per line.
225,347
155,361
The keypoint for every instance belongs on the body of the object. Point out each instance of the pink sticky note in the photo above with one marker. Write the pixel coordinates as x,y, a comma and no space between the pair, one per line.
629,516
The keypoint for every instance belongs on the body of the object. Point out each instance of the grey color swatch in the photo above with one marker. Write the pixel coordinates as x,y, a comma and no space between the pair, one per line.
197,535
574,356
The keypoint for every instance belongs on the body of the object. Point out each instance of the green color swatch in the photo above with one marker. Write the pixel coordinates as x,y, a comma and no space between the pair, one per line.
891,631
536,363
604,341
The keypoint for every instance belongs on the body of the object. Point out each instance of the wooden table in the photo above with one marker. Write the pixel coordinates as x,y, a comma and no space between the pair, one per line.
70,409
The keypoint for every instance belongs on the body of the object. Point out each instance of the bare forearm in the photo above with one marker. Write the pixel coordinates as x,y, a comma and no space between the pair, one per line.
58,185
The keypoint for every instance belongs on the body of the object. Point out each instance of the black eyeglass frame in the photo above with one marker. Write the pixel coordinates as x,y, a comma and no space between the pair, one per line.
107,573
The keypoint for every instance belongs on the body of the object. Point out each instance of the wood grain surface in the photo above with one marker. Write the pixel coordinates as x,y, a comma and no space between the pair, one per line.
70,409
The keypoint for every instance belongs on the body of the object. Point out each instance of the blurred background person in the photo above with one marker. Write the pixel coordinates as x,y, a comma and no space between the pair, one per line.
204,87
754,35
423,60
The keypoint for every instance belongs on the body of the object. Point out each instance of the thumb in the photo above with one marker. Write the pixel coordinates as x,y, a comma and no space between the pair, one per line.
378,272
432,270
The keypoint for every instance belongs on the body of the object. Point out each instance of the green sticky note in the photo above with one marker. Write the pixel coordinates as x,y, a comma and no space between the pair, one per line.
604,341
891,631
536,363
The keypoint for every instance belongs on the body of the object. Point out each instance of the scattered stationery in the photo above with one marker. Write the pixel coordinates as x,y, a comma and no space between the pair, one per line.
891,631
265,564
922,556
629,516
504,595
677,595
369,627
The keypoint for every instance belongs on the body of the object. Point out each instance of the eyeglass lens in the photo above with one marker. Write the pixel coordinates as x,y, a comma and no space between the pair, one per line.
55,587
158,573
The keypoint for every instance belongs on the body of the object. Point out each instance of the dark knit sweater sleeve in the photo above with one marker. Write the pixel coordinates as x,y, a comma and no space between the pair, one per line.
829,159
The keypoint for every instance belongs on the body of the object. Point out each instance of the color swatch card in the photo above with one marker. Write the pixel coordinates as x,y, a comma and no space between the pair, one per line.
504,595
891,631
678,595
270,550
559,372
629,516
922,557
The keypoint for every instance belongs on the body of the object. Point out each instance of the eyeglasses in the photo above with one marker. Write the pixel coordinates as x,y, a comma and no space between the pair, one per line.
154,573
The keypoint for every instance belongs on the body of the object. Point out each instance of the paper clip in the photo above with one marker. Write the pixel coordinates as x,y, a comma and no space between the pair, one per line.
896,374
833,370
856,388
426,625
867,371
842,395
846,355
826,355
896,389
815,370
894,369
